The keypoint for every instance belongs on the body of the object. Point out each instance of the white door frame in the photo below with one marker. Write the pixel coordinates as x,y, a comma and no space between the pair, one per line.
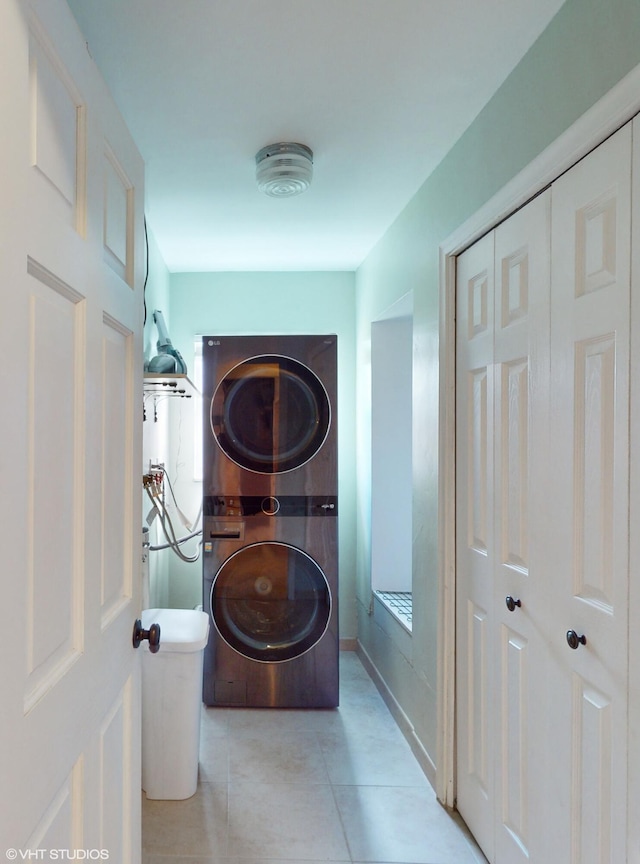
611,112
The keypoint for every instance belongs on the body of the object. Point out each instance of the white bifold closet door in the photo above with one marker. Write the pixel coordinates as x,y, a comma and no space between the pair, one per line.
542,508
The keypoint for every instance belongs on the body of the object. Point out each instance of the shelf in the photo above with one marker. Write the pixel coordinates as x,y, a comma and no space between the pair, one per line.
171,383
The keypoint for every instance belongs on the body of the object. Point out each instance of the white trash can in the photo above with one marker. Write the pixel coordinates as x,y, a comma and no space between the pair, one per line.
171,703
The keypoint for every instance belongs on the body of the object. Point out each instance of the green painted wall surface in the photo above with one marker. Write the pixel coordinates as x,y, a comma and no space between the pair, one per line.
260,303
588,47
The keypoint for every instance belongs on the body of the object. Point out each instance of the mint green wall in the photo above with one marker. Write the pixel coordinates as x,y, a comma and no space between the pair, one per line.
257,303
587,48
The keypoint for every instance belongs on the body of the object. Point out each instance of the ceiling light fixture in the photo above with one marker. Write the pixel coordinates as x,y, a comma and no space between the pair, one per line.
284,170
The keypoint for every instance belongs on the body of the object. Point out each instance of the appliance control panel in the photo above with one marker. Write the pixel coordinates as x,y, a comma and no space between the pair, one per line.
245,506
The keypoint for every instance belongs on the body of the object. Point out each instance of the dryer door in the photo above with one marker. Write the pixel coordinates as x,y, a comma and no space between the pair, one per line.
270,414
270,602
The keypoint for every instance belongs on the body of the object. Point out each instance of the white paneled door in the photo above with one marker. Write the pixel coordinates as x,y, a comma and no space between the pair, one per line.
543,521
70,330
475,553
588,570
502,370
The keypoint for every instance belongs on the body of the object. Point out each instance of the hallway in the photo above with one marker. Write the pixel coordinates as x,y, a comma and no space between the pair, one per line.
288,787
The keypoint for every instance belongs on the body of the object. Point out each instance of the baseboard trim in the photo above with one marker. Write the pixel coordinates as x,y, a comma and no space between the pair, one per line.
405,725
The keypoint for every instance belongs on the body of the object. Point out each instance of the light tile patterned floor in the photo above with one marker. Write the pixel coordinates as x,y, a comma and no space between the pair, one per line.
294,787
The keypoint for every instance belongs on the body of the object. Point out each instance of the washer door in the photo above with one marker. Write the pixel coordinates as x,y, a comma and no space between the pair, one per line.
270,602
270,414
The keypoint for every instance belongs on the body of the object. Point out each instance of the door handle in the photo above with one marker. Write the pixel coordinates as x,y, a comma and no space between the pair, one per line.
152,634
574,641
511,603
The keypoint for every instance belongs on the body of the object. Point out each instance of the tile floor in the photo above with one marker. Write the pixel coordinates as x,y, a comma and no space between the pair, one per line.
293,787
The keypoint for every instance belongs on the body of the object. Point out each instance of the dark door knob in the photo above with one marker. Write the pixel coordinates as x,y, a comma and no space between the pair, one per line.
511,603
152,634
574,641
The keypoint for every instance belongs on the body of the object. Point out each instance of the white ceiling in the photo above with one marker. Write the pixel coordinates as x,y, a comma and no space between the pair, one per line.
379,89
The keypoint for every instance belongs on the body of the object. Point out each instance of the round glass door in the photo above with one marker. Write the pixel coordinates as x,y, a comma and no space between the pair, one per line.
270,414
270,602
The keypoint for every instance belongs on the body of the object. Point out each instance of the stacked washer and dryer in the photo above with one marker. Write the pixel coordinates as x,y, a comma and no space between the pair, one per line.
270,506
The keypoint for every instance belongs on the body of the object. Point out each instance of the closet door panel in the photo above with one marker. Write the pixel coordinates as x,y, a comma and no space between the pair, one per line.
589,498
521,356
475,505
